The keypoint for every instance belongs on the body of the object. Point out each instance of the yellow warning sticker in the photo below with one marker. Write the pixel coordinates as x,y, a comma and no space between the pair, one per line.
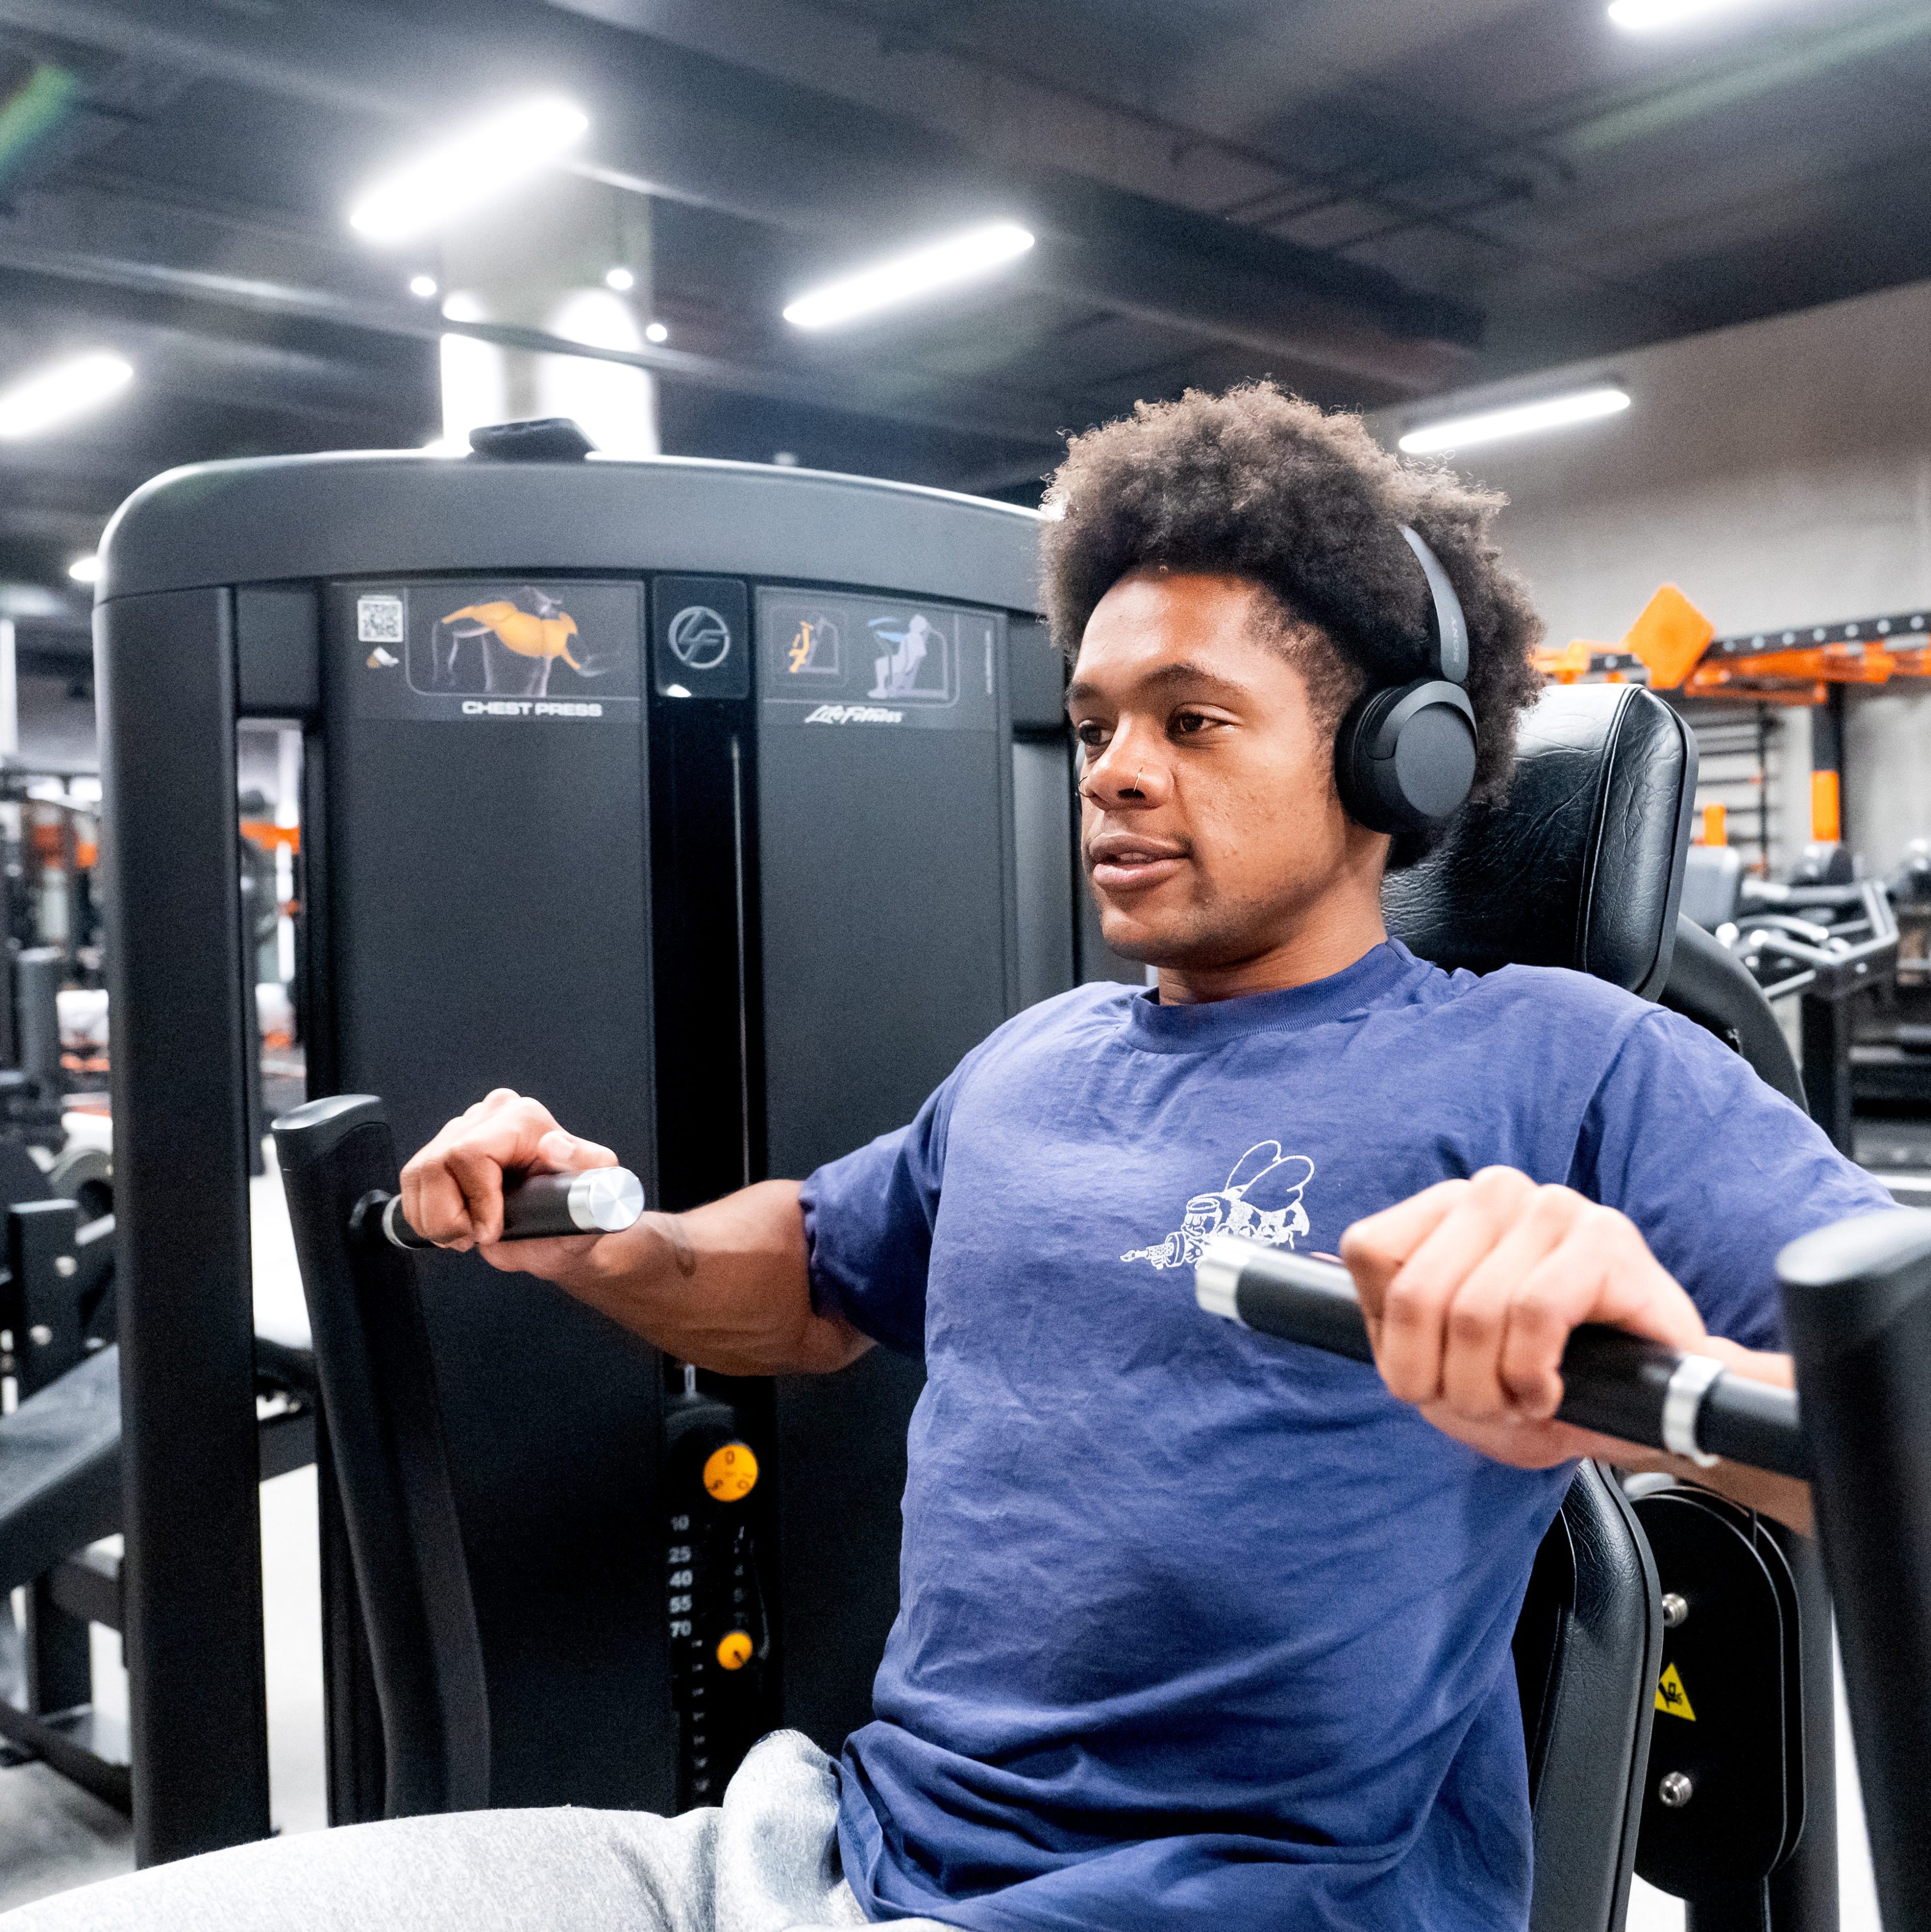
1671,1698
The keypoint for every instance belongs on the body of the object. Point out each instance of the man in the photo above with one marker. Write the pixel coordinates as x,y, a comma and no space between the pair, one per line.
1197,1630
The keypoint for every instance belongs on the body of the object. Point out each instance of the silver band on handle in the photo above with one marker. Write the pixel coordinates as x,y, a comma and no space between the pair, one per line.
1682,1403
391,1214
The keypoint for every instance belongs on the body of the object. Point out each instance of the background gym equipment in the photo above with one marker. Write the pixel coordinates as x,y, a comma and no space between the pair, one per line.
1823,937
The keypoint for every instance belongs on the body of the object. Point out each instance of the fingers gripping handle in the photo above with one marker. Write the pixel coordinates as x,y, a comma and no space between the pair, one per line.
1615,1383
594,1201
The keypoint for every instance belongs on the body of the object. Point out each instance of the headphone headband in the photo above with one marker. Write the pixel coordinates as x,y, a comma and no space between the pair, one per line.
1449,627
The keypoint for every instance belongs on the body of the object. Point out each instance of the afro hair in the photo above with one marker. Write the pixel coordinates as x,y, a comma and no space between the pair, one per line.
1258,483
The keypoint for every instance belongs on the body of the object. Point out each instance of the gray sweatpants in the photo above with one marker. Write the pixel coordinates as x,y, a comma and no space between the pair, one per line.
766,1860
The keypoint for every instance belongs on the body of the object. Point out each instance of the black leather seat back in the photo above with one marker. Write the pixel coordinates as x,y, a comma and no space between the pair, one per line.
1587,1647
1582,864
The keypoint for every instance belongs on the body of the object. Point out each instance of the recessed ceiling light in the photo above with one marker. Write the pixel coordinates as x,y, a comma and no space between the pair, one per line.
621,280
468,169
84,569
956,259
1458,433
68,389
423,287
657,332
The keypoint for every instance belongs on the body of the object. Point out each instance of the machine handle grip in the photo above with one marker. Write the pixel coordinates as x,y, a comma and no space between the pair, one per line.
1615,1383
592,1201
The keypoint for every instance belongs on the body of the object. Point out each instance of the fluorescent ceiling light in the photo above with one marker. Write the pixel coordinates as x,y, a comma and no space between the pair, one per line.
1641,17
1518,419
67,389
958,258
84,570
467,169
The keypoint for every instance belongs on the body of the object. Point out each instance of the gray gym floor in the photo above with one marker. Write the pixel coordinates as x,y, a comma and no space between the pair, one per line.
53,1835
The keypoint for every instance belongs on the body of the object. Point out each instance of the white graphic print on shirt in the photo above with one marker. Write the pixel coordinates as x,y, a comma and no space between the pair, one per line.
1261,1202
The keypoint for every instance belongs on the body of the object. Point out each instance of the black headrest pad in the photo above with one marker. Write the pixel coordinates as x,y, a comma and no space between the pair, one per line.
1582,866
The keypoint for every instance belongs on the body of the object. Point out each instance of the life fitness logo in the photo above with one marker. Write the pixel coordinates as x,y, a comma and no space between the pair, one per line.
700,640
853,714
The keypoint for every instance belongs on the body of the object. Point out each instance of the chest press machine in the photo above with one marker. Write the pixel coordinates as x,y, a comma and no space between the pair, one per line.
734,888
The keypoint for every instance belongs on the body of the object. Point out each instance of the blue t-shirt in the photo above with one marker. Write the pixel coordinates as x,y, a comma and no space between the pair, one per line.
1196,1629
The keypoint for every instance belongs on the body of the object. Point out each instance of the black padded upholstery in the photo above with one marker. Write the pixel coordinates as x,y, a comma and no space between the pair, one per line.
1587,1647
1582,866
60,1468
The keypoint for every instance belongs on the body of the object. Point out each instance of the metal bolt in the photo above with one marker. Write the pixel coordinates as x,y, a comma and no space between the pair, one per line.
1674,1609
40,1334
64,1265
1675,1790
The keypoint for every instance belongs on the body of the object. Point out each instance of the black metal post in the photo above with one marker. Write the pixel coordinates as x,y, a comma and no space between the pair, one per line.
1856,1301
60,1675
166,681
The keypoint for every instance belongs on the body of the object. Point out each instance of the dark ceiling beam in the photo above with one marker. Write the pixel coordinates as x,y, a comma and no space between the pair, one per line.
226,369
673,123
1066,140
963,414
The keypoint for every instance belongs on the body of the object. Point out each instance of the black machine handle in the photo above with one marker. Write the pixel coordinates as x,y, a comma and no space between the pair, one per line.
1613,1382
392,1466
590,1201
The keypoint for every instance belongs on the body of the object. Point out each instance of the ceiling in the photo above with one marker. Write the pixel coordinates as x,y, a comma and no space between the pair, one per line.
1373,200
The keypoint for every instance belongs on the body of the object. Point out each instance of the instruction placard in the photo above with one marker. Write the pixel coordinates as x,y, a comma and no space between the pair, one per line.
842,662
467,649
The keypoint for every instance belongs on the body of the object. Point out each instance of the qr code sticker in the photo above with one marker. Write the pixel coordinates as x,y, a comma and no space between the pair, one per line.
379,620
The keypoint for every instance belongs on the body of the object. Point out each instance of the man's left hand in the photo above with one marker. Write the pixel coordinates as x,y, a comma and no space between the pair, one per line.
1470,1289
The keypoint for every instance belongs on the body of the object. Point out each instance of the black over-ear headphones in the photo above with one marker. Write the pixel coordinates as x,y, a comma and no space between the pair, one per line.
1405,756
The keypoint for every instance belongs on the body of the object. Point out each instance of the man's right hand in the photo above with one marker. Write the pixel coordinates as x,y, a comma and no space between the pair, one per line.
452,1191
726,1285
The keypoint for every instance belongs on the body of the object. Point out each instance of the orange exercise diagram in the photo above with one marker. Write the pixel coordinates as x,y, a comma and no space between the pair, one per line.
812,651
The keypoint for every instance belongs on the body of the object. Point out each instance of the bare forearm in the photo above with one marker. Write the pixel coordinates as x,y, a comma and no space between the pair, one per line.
725,1286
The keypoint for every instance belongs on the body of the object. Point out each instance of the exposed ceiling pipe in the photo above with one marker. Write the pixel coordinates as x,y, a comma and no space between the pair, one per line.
968,416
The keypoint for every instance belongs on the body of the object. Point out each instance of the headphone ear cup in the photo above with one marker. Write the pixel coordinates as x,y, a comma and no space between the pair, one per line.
1405,757
1353,779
